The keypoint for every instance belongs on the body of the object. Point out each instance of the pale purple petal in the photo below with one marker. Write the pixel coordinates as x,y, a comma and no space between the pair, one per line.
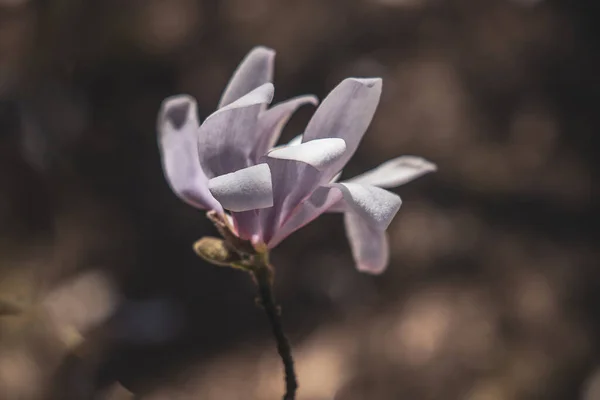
297,171
255,70
345,113
177,138
247,189
395,172
293,182
272,121
369,245
320,201
227,137
375,205
319,153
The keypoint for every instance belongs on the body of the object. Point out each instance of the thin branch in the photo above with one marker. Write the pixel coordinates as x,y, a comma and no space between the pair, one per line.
263,276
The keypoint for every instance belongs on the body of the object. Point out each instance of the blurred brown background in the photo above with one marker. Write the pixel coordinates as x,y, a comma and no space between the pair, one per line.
492,293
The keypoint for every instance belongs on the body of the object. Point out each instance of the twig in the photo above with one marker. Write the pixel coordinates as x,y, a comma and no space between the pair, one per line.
263,276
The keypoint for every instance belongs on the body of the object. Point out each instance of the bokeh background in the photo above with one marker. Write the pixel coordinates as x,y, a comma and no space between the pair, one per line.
493,290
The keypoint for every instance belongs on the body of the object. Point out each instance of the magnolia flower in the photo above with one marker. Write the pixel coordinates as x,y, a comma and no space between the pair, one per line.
229,162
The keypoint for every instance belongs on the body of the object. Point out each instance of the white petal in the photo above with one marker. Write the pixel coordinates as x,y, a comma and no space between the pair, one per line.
227,138
395,172
345,113
320,153
369,245
255,70
272,121
177,138
247,189
375,205
295,141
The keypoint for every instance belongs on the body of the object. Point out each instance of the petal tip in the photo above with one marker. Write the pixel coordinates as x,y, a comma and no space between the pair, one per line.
262,51
371,269
266,90
312,99
421,164
270,90
178,112
368,82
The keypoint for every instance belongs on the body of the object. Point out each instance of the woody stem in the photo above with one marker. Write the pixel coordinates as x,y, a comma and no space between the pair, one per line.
264,277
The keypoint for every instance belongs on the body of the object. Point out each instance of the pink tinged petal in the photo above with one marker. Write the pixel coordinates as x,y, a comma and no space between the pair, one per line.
396,172
293,182
375,205
272,121
345,113
247,224
319,202
297,173
226,138
369,245
247,189
255,70
338,207
177,138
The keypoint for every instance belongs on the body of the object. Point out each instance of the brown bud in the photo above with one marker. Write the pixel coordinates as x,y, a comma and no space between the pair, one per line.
215,251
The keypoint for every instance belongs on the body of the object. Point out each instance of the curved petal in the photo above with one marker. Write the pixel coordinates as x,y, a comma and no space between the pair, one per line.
296,174
345,113
247,189
255,70
369,245
395,172
319,153
272,121
177,138
375,205
293,182
226,138
320,201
